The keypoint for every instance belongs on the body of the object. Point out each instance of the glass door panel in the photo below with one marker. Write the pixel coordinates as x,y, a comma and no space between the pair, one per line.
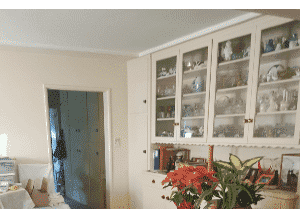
231,87
165,97
194,79
278,83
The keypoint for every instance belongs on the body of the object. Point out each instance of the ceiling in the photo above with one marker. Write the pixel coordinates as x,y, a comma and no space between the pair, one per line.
114,31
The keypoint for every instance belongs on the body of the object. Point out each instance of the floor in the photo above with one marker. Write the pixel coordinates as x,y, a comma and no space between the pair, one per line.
74,204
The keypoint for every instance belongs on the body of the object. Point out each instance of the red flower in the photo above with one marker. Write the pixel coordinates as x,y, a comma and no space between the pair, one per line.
185,205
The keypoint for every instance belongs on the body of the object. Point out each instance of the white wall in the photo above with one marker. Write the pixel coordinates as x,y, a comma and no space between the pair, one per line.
22,113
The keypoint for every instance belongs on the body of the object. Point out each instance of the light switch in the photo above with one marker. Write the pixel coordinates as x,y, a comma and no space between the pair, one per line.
117,142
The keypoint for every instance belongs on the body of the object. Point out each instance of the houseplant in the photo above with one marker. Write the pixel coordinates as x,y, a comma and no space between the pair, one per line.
195,184
189,183
232,190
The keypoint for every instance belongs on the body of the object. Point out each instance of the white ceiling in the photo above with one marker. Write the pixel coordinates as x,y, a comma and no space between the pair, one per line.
116,31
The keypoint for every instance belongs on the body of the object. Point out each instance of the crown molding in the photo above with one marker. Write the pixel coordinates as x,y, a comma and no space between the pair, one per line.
202,32
65,48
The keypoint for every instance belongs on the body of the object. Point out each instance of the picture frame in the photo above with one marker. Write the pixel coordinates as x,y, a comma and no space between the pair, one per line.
289,172
265,179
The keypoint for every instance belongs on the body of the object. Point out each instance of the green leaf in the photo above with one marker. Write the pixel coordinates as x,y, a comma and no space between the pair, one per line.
222,165
251,162
201,198
235,161
207,205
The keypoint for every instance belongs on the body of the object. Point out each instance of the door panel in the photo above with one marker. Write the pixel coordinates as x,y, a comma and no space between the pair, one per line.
78,138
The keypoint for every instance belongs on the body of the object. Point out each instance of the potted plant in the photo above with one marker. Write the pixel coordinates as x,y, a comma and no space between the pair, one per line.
195,184
232,190
189,183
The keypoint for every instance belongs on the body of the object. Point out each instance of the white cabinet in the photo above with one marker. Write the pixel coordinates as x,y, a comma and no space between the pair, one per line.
210,90
138,71
164,114
194,86
231,85
137,79
137,140
274,102
154,196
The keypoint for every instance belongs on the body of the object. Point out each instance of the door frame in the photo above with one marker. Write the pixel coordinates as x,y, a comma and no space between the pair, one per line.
107,128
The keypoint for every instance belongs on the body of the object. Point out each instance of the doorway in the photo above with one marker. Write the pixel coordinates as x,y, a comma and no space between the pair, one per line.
79,142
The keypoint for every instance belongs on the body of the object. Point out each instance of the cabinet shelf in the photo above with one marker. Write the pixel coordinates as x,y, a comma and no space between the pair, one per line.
276,113
229,115
166,77
193,73
166,98
279,82
193,118
8,174
165,119
241,60
232,89
193,95
281,54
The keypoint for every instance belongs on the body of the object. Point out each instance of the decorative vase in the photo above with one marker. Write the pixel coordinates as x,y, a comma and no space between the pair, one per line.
270,46
273,105
293,41
228,51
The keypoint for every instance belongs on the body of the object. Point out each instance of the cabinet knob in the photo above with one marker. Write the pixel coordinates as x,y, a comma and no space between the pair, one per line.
145,101
163,197
144,151
248,120
175,124
167,198
153,181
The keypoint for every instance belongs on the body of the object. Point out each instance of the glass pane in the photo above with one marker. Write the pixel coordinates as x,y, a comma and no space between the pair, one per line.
278,87
193,93
165,96
231,87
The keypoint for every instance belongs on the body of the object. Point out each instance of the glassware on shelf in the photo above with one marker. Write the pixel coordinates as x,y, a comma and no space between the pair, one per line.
294,100
221,104
263,103
163,72
161,112
285,103
293,42
239,106
232,131
188,62
273,106
187,111
161,91
172,111
197,109
198,84
279,130
186,89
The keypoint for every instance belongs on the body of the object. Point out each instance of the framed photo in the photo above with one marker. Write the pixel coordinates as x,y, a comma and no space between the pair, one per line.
265,179
289,172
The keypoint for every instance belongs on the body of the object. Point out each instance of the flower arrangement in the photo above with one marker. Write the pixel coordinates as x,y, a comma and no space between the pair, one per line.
190,182
195,184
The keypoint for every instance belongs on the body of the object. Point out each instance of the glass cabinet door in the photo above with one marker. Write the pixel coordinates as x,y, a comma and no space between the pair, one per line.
275,102
231,88
195,62
164,77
